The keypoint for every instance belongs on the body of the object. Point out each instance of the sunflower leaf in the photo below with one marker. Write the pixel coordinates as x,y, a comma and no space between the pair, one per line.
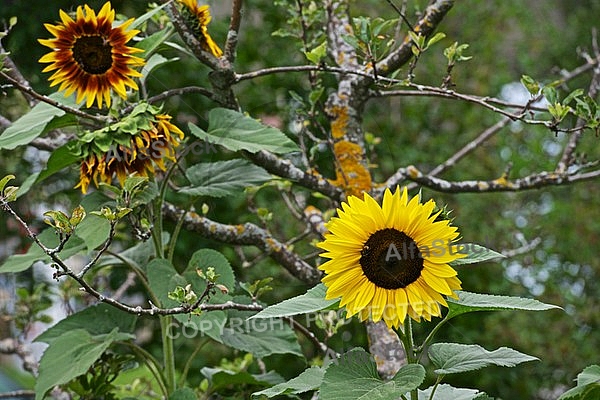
70,355
143,18
475,254
444,392
588,385
223,178
471,302
309,379
236,131
261,337
452,358
38,120
354,376
313,300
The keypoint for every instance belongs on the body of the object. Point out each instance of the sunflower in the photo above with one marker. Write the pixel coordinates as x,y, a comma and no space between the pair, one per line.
90,56
390,261
138,155
200,20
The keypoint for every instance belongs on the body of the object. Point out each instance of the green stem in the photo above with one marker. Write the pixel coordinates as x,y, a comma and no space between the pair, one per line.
429,337
188,364
408,342
152,364
437,382
168,353
174,236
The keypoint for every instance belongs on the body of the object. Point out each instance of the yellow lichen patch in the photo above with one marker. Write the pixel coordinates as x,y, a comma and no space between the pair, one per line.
413,172
273,245
352,175
483,185
503,181
340,121
239,229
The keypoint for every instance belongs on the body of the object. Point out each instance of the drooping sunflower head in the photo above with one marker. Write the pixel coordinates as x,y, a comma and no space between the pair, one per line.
89,55
121,150
199,17
390,261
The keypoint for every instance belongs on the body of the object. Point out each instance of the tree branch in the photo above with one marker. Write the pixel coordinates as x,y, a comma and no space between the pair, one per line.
26,89
534,181
246,234
284,168
434,14
234,28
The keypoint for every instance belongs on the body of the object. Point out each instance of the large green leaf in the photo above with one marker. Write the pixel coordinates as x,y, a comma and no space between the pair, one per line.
20,262
93,230
588,385
163,279
471,302
447,392
209,258
452,358
220,378
97,319
70,355
309,379
223,178
59,159
260,337
354,376
475,254
36,122
313,300
236,131
183,394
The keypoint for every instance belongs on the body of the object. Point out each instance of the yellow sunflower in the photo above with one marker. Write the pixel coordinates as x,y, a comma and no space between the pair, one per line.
146,148
90,56
390,261
202,17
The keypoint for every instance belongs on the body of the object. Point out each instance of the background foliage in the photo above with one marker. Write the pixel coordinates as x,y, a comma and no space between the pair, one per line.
506,40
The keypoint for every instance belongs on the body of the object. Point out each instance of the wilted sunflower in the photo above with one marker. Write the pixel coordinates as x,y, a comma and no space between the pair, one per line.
201,16
144,149
90,56
390,261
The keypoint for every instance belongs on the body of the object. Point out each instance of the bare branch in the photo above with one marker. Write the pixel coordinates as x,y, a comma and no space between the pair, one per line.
434,14
246,234
25,394
14,346
45,99
567,157
534,181
285,169
234,28
12,71
189,38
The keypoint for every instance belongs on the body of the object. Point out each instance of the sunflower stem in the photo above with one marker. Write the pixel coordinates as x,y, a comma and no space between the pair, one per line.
168,353
429,337
408,342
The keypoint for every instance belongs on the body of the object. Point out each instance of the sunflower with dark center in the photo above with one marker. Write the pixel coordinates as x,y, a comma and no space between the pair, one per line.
390,261
140,154
90,56
199,17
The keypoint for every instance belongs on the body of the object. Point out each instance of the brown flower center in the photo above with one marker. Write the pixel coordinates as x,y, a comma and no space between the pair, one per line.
391,259
93,54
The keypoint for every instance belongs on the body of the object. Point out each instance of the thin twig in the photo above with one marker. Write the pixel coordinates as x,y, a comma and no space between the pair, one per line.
45,99
25,394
